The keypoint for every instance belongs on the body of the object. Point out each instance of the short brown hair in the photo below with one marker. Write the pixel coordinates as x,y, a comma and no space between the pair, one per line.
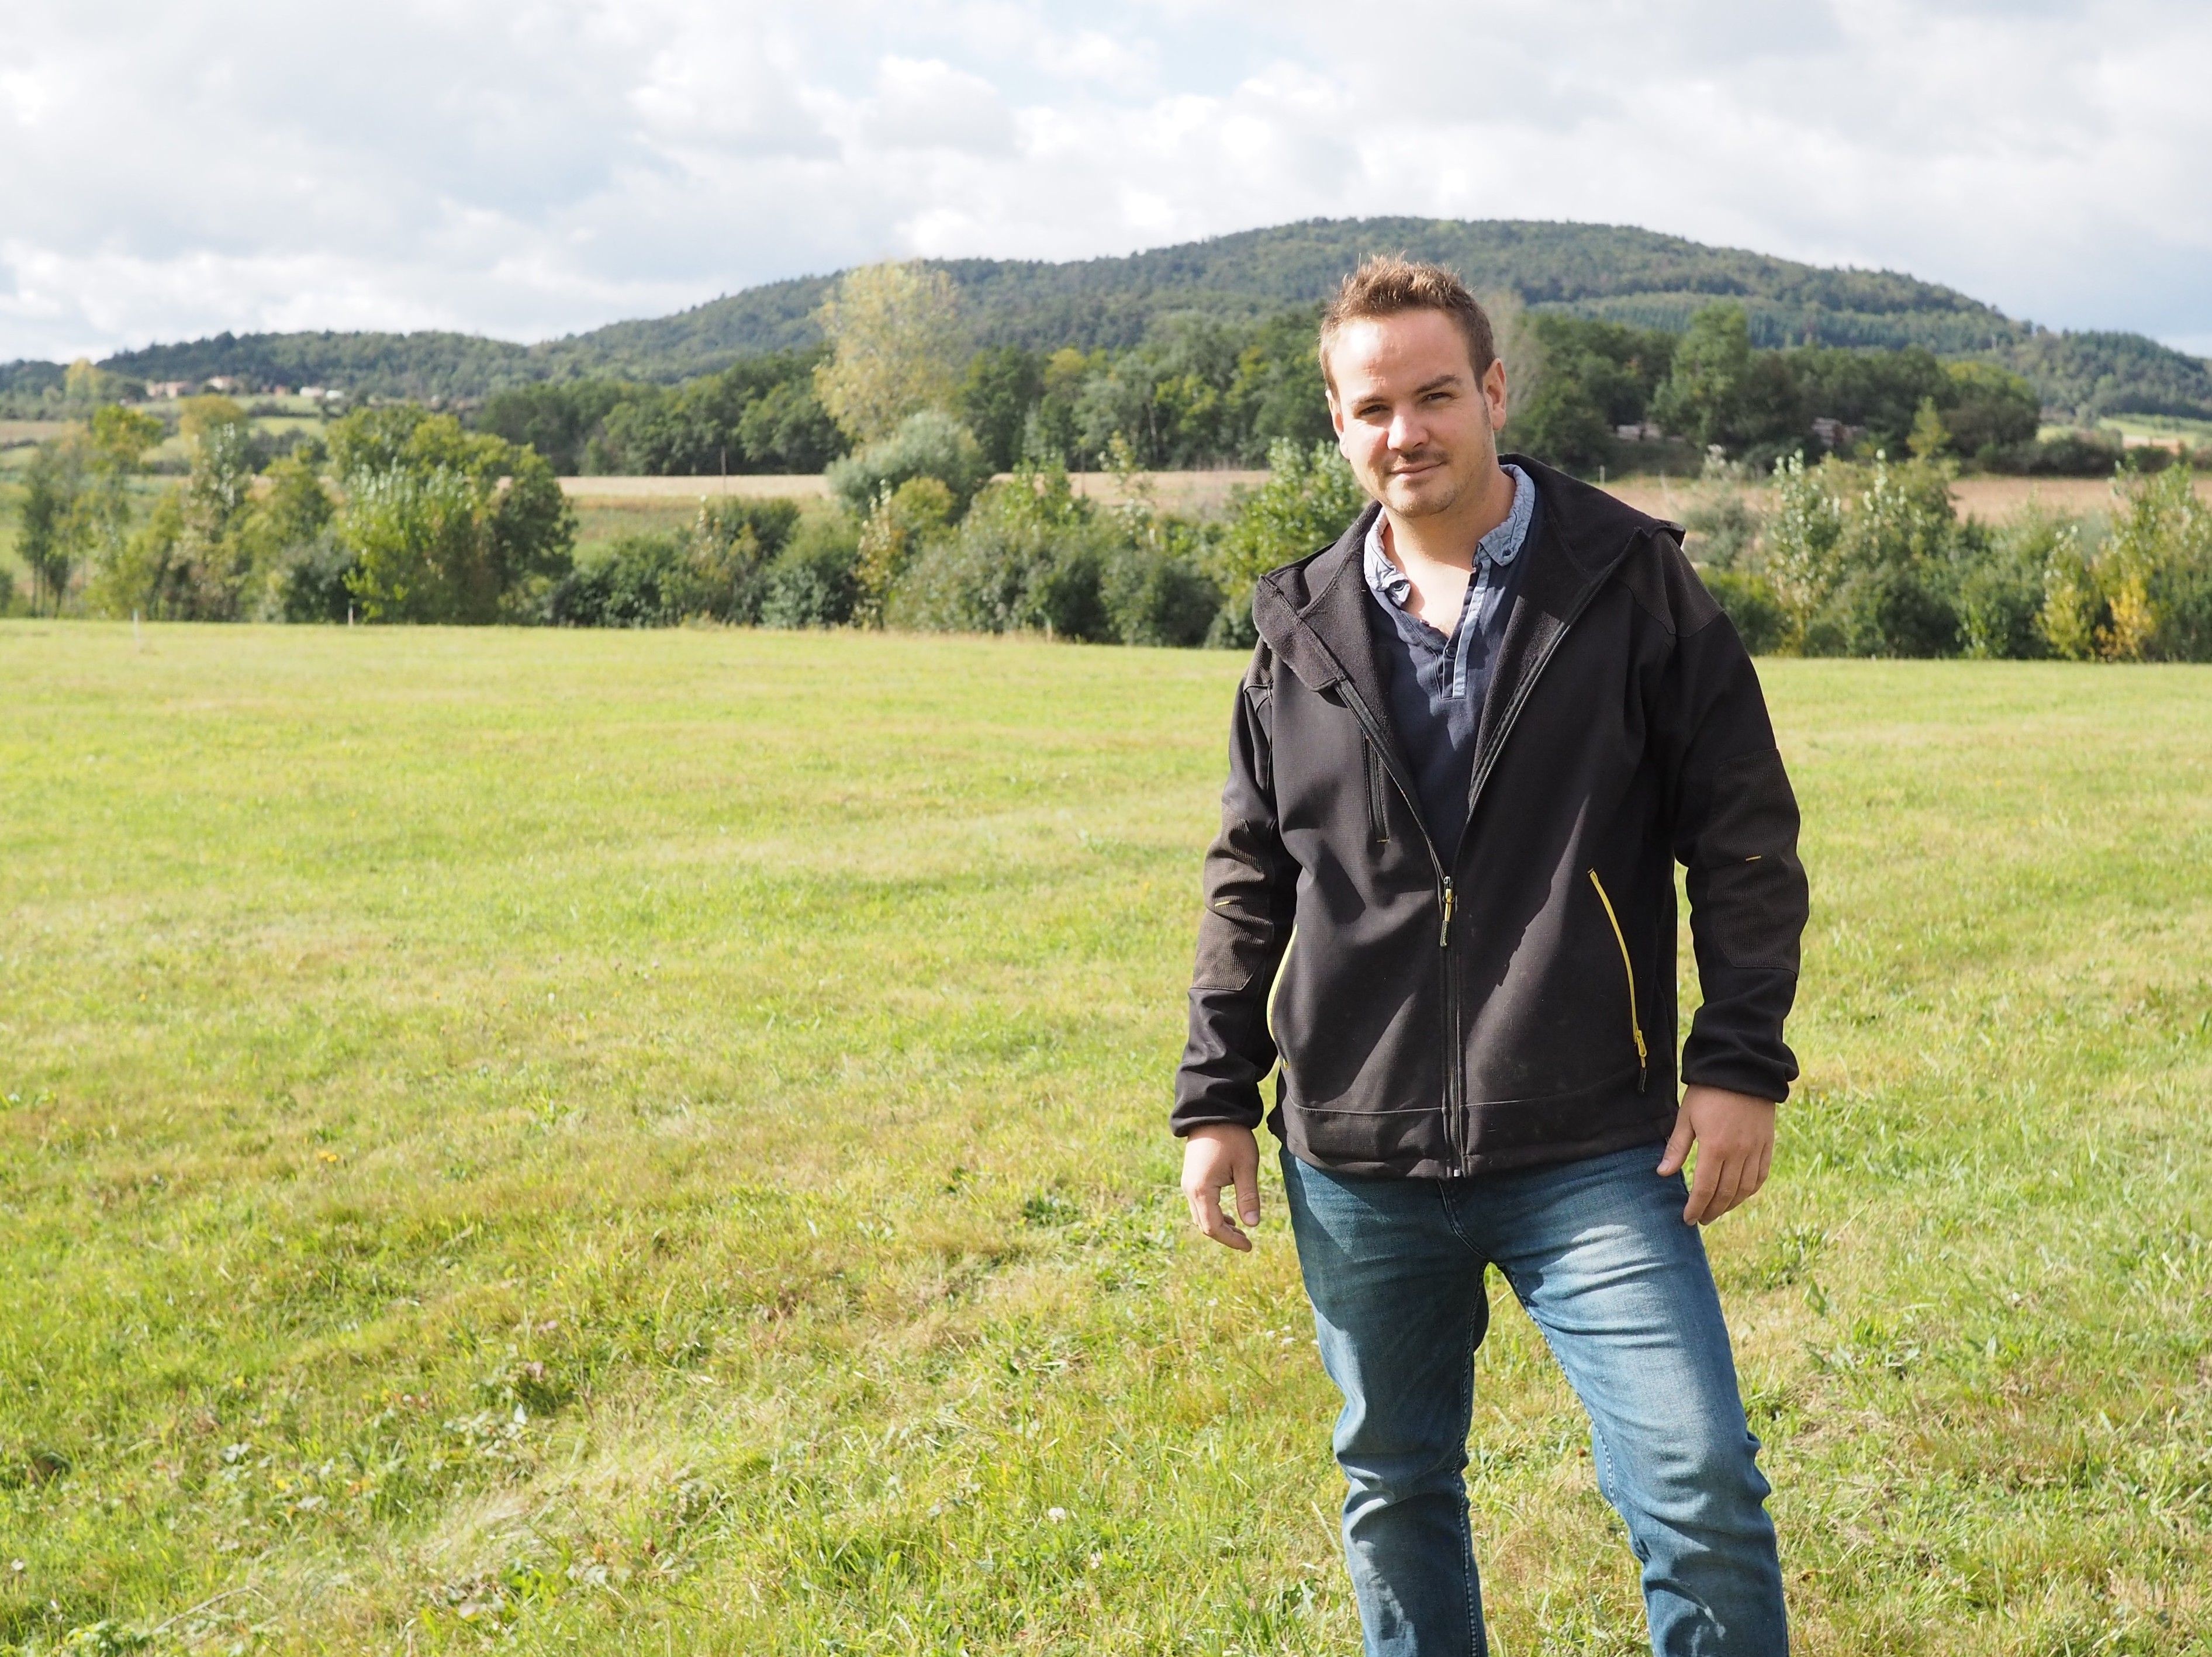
1388,285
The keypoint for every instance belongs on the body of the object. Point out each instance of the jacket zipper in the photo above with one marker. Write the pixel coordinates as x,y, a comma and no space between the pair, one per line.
1455,1059
1455,1069
1627,965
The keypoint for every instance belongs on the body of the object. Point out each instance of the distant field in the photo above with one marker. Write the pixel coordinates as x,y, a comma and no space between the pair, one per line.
1203,492
652,1141
1993,500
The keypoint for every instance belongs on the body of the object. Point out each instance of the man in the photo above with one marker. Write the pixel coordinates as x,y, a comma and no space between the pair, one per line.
1476,735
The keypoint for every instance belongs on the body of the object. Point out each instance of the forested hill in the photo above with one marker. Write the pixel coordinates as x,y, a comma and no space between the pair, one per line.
1616,272
1613,271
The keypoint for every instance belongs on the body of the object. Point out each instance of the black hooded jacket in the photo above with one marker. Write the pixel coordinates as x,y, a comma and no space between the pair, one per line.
1443,1010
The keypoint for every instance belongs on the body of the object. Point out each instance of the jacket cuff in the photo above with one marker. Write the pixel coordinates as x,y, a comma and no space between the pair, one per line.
1736,1040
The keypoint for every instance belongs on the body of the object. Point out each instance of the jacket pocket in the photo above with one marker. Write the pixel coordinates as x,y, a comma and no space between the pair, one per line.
1628,971
1378,796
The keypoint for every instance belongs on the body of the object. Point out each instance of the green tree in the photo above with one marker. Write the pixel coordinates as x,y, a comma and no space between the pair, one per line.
77,504
1277,391
894,332
1704,397
1990,408
444,524
1803,529
1929,436
299,567
1001,387
54,535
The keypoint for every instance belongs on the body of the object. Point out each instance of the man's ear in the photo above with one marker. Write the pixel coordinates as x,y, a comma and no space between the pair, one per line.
1494,393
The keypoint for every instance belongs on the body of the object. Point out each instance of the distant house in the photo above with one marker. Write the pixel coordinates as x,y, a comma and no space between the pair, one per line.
225,383
1643,432
171,388
1837,435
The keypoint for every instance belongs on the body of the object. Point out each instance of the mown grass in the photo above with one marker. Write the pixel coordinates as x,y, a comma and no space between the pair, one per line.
612,1141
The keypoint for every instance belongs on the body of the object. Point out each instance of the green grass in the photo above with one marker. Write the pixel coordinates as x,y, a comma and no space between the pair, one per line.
652,1142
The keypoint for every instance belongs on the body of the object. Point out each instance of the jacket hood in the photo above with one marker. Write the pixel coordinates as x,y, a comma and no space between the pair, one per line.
1309,612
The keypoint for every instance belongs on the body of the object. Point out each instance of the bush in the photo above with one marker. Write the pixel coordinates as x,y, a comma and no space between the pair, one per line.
1891,609
308,582
814,582
1750,604
2070,454
2000,593
716,570
636,582
1720,532
2153,570
1158,594
1029,557
930,444
901,524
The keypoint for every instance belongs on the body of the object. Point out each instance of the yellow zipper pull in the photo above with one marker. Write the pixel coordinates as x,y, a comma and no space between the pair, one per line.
1443,932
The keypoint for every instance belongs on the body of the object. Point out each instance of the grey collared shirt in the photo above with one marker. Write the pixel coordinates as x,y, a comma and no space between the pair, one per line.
1436,680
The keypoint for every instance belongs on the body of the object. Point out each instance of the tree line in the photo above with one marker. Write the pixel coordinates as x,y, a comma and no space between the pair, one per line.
1203,392
952,506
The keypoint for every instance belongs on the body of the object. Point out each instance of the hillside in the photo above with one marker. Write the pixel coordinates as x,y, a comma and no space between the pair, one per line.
1617,272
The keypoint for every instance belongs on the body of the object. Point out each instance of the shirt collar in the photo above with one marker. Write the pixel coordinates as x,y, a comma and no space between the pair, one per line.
1499,548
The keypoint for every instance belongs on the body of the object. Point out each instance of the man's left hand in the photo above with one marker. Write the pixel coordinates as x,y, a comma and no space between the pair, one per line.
1734,1136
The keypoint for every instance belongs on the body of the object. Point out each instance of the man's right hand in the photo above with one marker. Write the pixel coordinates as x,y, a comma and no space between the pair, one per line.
1214,1156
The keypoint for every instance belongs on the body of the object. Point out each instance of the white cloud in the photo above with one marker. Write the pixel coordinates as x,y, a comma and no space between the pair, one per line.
526,169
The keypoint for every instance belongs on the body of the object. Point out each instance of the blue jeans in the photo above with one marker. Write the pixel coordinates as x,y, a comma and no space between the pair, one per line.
1598,1253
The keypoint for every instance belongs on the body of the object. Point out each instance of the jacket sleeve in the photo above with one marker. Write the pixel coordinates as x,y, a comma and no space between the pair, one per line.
1733,821
1251,898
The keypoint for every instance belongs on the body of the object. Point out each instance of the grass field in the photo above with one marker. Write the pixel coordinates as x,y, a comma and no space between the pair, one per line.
652,1141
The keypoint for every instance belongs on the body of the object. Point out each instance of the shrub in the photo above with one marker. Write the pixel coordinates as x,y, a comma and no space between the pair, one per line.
1750,604
1029,557
637,582
1155,593
901,523
2154,568
2001,591
309,583
929,444
812,581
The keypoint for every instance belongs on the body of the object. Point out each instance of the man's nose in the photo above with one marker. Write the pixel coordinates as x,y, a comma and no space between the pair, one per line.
1406,432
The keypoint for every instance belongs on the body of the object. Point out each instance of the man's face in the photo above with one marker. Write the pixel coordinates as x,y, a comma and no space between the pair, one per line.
1412,417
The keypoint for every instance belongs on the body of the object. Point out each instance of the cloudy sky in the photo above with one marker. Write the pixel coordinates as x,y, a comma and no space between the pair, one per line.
169,168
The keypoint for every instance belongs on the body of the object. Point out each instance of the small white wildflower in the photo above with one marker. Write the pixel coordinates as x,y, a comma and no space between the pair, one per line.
1056,1514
